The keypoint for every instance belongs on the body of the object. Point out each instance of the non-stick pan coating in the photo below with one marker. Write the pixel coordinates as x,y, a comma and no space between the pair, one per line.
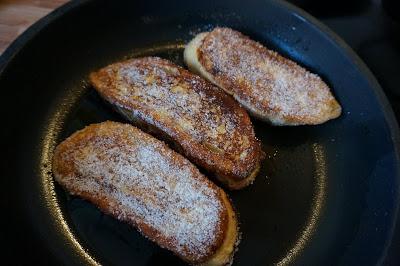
326,194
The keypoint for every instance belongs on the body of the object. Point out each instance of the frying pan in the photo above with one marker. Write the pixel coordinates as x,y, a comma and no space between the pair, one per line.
327,194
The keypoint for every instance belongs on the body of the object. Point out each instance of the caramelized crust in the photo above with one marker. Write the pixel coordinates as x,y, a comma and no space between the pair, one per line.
138,179
203,123
268,85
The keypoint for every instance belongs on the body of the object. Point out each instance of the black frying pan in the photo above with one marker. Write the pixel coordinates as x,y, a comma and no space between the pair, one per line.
326,194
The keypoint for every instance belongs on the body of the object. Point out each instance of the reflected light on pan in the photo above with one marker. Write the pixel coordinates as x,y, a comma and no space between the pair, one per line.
316,209
49,142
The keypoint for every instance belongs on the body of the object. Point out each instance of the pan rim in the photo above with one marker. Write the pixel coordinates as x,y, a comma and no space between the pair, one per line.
22,40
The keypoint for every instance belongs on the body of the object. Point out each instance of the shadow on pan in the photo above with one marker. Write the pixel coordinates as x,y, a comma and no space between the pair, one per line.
326,194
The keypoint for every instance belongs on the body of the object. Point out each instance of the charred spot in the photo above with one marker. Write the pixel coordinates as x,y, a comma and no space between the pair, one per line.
215,70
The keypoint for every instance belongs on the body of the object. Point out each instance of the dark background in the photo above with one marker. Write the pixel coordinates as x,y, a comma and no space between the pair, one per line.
372,29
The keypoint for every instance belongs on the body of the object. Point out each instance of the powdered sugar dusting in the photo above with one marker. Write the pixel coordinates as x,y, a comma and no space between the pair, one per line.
156,85
262,78
148,182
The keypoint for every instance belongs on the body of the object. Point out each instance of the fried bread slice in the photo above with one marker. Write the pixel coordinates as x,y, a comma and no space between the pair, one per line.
269,86
204,123
138,179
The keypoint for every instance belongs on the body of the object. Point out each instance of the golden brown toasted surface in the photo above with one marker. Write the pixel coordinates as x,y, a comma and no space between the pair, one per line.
270,86
138,179
207,125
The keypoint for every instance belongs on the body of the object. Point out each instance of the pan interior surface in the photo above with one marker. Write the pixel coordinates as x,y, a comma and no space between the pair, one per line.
326,194
274,227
